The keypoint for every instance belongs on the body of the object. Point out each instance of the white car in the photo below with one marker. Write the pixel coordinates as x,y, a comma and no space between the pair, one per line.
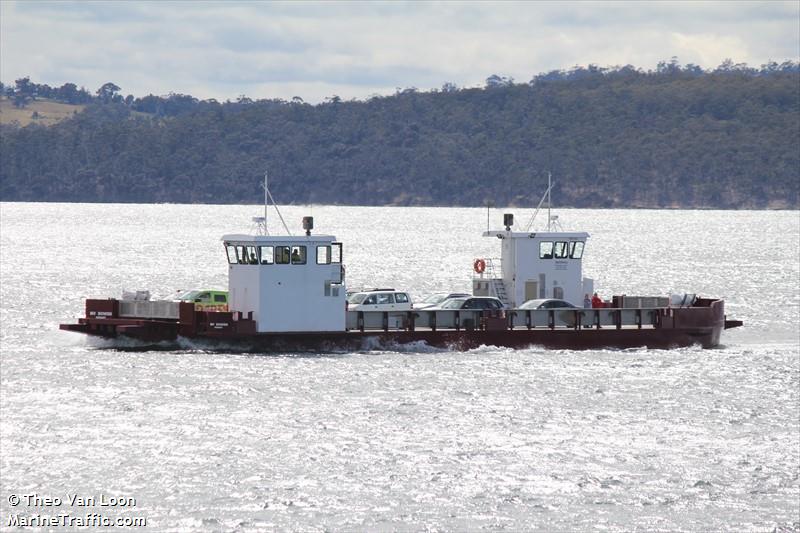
379,300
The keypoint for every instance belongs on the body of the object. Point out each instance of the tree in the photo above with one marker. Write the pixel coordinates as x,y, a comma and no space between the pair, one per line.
107,92
20,100
617,136
494,81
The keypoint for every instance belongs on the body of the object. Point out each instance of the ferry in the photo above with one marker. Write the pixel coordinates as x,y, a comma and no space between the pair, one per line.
288,293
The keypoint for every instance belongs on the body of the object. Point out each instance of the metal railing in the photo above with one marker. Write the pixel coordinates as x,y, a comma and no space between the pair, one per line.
512,319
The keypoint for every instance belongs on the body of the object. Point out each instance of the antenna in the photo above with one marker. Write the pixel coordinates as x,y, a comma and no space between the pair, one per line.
275,205
538,207
549,199
263,228
266,201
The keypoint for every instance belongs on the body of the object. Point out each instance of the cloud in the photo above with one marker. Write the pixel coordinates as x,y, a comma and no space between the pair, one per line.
707,48
355,49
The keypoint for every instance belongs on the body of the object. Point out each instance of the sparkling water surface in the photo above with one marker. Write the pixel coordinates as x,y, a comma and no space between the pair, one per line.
405,438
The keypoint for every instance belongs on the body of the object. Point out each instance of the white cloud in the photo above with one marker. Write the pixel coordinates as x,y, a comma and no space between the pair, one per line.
707,49
313,50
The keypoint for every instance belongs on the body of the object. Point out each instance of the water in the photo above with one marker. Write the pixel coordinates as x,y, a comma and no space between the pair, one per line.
411,439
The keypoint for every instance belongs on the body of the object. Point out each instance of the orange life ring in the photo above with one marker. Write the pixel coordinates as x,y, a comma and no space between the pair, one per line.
479,266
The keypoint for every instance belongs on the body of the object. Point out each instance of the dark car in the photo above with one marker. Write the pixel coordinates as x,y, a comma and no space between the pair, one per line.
438,298
566,316
547,303
473,302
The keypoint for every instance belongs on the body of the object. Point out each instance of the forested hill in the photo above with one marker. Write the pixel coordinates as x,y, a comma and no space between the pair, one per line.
674,137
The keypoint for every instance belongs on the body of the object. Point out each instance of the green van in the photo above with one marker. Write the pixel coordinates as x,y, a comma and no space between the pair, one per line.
206,300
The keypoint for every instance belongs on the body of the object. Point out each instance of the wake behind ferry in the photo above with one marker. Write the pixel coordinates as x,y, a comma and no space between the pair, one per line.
289,293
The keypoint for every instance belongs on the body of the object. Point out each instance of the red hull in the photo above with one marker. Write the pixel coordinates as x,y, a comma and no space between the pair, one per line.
702,324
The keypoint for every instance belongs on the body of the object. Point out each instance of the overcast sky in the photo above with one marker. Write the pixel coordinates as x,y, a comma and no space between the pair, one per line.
354,50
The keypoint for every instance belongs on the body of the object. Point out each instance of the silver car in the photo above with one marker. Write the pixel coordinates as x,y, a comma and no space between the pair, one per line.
437,298
547,303
472,302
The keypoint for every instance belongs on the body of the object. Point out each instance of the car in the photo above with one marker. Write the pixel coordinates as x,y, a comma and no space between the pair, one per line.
437,298
547,303
206,300
472,302
379,300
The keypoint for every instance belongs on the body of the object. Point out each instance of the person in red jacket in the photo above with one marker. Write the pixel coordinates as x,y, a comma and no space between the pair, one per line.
597,302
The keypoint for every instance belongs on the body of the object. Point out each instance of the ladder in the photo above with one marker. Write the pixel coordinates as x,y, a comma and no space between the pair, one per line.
498,287
500,290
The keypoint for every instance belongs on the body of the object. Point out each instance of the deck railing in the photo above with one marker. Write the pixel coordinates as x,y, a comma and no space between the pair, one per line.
509,319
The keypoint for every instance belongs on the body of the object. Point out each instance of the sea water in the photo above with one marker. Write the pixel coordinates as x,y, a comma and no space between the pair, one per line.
409,438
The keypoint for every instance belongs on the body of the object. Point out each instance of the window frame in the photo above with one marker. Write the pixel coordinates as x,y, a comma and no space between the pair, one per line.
564,253
303,254
240,249
279,256
340,259
251,253
327,249
267,258
231,248
573,245
542,254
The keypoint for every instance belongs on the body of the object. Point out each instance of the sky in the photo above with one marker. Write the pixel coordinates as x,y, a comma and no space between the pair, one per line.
355,50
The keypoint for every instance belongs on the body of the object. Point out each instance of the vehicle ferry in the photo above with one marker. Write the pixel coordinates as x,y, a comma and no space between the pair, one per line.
288,293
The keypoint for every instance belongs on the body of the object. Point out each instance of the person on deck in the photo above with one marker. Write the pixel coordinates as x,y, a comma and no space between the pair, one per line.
587,302
597,302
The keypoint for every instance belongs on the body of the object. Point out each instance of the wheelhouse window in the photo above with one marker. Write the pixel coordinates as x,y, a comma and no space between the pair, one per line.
336,253
323,255
231,249
298,255
267,255
545,250
561,250
282,255
576,249
242,258
250,255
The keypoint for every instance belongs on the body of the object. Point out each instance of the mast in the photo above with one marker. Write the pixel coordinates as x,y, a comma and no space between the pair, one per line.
266,201
263,228
545,195
549,199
